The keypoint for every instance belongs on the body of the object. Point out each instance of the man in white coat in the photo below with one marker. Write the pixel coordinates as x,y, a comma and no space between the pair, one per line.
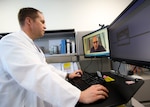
26,80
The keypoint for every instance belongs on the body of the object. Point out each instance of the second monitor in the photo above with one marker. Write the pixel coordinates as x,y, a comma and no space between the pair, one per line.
96,44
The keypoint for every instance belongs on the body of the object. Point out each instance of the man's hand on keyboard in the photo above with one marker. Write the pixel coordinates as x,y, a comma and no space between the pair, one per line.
93,93
77,73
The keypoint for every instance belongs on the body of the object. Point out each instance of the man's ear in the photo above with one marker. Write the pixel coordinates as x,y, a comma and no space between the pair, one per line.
28,20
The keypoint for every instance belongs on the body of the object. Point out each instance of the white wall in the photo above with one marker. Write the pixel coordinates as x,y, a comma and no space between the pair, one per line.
83,15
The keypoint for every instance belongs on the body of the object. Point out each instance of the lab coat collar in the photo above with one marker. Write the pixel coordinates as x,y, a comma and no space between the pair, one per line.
26,36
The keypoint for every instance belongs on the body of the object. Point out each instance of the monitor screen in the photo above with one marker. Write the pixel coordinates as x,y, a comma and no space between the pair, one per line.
129,35
96,43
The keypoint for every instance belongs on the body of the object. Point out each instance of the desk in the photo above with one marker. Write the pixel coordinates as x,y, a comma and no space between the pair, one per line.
135,103
132,103
142,94
118,90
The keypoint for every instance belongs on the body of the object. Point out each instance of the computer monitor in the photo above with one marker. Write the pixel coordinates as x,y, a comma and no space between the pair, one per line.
96,44
129,35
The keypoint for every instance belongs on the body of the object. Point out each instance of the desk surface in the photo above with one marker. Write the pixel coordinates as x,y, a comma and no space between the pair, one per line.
135,103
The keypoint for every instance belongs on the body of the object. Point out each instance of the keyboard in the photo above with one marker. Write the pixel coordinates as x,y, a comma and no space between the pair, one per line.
86,80
92,78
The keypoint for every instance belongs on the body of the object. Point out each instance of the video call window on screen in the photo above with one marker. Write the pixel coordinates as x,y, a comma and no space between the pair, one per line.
96,44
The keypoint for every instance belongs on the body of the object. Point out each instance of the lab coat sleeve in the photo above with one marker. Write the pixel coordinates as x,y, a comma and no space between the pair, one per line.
60,73
30,72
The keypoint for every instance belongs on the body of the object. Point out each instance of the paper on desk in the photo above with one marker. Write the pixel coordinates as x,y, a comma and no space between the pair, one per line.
69,67
66,67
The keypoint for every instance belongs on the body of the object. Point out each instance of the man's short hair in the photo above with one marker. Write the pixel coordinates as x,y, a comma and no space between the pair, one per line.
27,12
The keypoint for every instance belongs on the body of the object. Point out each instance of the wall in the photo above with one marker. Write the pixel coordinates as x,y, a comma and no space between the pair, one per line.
82,15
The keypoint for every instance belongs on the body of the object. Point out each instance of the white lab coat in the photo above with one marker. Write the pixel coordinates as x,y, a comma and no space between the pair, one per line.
26,80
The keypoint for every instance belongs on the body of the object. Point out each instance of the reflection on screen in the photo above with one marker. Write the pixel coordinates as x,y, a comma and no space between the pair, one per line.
96,44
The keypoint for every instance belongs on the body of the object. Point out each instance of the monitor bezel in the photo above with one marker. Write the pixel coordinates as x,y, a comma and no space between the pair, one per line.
96,55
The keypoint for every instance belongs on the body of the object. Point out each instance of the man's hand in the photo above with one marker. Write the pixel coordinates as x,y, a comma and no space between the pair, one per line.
93,93
77,73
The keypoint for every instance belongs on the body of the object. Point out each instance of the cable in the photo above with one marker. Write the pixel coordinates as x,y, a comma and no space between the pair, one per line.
134,68
101,64
119,68
131,72
97,64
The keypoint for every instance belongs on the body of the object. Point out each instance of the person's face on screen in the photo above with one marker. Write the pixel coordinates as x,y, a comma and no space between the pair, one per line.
95,42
